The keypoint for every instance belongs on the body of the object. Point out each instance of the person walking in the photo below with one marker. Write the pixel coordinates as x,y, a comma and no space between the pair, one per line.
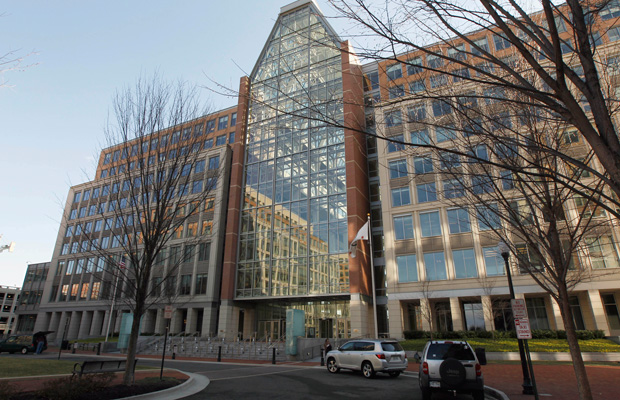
40,341
327,346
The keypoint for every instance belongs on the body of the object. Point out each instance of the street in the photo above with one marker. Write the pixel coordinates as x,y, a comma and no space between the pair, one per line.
286,381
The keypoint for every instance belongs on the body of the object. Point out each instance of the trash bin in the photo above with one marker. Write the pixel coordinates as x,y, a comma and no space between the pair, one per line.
64,345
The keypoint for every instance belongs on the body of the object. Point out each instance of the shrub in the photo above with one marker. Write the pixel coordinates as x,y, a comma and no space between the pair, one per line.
69,389
561,334
416,334
544,334
585,335
485,334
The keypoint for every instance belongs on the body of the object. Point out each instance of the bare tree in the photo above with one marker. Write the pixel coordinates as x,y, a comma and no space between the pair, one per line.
550,58
492,305
10,61
157,189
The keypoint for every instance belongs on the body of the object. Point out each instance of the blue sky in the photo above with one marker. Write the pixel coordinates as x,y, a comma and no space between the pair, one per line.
52,118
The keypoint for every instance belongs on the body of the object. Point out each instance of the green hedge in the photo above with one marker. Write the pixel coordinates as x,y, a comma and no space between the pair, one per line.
536,334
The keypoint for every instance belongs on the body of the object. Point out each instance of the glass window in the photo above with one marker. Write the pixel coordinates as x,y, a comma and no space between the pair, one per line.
445,133
401,196
438,81
414,65
186,285
435,266
200,166
233,119
576,313
398,169
208,143
464,263
107,158
420,137
214,162
488,217
417,113
396,91
210,126
482,45
394,71
458,220
611,10
393,146
474,316
403,227
423,165
603,252
430,223
501,42
393,118
220,140
434,61
407,268
611,310
537,313
231,137
196,187
493,261
222,123
426,192
201,283
441,107
76,197
417,86
371,82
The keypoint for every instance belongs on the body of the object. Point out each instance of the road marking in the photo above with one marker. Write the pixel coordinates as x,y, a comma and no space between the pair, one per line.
251,376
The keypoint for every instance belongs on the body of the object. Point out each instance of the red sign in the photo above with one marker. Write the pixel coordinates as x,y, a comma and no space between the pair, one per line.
522,327
168,312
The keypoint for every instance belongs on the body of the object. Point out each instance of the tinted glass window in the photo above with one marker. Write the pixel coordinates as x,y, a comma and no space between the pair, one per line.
364,346
442,351
347,346
391,346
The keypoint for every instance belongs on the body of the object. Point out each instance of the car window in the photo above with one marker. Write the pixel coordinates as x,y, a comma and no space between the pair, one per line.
364,346
391,346
442,351
347,346
12,339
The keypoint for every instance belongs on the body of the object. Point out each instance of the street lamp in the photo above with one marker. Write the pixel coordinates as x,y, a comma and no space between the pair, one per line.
504,250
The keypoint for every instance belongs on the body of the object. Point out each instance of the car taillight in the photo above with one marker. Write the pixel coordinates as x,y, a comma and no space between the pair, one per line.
478,370
380,356
425,368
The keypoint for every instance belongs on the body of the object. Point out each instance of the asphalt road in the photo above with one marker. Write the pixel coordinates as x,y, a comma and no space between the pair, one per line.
285,381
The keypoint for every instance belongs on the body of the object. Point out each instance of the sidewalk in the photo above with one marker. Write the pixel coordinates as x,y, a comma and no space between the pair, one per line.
554,381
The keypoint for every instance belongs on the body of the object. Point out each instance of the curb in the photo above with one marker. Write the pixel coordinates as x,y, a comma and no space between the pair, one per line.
495,393
193,385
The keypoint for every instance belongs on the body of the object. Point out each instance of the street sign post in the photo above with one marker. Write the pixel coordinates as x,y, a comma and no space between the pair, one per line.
519,309
522,326
168,312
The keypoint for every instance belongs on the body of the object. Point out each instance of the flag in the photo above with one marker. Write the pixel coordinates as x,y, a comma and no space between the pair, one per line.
121,264
362,234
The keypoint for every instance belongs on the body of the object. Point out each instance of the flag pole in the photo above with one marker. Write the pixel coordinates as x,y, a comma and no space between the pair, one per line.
372,276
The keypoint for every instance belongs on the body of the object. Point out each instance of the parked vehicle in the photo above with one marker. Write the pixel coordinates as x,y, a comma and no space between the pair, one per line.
369,356
451,366
23,343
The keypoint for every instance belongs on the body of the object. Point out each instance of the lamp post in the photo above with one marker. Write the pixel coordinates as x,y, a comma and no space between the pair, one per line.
504,250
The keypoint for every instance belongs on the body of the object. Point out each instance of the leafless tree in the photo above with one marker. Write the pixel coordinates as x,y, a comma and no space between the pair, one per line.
491,304
551,58
157,189
12,60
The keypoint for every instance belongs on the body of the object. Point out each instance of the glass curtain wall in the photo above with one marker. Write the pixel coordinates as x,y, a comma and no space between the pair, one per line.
293,239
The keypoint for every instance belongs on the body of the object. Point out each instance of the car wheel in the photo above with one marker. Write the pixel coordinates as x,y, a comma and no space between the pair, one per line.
426,394
478,394
331,365
367,370
452,372
24,350
394,374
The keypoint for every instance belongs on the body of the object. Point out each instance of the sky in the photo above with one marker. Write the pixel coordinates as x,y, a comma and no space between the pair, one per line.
80,52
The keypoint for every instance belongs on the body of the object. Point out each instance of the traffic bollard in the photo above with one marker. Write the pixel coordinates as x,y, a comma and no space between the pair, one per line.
219,354
273,357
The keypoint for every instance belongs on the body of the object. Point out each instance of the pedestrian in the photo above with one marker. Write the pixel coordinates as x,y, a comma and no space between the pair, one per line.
40,340
327,346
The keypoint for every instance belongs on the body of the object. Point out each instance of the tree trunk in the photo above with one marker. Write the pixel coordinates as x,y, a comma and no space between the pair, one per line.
128,376
583,384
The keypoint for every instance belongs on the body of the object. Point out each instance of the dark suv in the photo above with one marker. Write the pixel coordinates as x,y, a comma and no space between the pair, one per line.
451,366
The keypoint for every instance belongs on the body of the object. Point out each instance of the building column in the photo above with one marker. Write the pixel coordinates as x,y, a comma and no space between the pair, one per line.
160,322
74,325
361,317
95,327
64,318
192,319
226,324
457,315
487,311
85,321
41,323
177,321
396,309
426,311
54,326
148,323
598,312
556,315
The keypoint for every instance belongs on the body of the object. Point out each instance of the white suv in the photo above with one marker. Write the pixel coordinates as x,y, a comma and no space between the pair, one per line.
451,366
369,356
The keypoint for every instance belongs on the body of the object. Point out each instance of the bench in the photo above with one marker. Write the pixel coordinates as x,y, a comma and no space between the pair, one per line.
96,367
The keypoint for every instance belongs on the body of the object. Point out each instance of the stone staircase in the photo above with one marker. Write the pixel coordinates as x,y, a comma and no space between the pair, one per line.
203,347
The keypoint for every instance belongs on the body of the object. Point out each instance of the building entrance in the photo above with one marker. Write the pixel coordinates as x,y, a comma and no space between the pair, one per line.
273,329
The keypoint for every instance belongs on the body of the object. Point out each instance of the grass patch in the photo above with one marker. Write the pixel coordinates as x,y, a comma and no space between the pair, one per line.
96,340
24,366
536,345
